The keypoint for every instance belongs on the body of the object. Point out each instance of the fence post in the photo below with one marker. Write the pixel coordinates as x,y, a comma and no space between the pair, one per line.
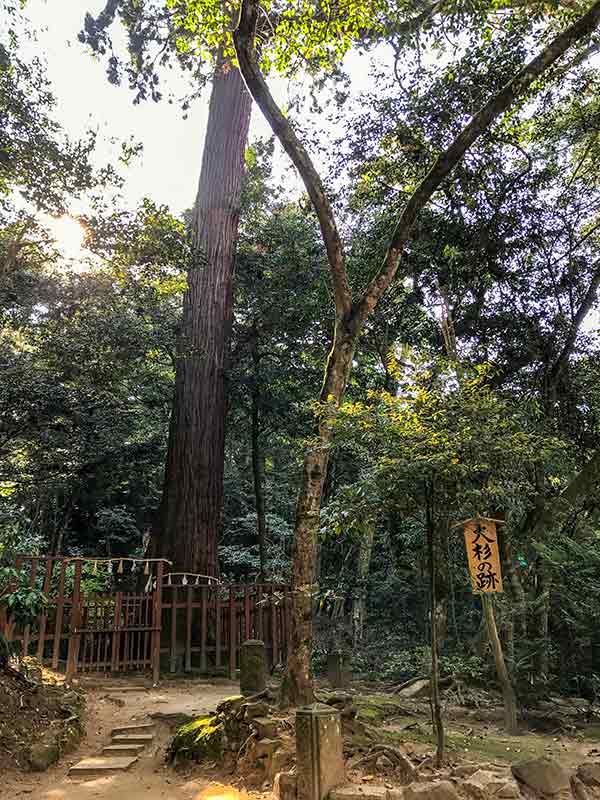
232,633
27,631
60,606
157,623
188,631
75,637
44,617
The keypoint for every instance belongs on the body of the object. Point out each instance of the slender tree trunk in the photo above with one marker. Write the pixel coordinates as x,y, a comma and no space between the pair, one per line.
359,610
192,502
297,688
542,614
436,708
508,693
258,470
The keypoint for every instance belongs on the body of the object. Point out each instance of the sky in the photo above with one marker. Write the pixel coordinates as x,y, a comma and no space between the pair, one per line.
169,167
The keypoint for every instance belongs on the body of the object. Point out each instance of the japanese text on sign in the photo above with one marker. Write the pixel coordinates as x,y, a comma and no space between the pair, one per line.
482,551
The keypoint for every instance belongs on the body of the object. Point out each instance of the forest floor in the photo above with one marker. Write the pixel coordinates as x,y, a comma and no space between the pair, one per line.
474,734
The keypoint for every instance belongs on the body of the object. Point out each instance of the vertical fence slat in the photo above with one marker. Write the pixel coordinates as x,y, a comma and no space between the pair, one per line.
75,637
157,623
274,631
27,631
188,629
44,617
173,653
60,612
217,627
247,613
232,633
116,637
203,626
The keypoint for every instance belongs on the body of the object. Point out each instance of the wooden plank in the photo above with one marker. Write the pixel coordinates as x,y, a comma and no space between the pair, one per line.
156,622
10,626
247,614
260,613
32,576
44,617
188,631
232,633
173,652
75,637
203,626
60,611
217,628
116,637
274,631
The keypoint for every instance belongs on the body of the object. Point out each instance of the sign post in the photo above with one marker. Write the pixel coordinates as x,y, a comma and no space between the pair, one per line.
481,541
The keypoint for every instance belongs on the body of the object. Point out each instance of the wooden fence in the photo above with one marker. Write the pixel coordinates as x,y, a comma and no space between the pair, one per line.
171,627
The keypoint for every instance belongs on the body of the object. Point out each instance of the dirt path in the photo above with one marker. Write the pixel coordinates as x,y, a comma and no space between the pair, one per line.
109,706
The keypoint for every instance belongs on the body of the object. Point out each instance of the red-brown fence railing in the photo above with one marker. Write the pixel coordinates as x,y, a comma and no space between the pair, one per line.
169,628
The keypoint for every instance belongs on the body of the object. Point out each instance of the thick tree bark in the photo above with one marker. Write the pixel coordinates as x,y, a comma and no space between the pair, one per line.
258,462
192,502
351,316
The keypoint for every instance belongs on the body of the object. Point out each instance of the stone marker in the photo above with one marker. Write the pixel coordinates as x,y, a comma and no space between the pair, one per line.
319,754
338,672
253,667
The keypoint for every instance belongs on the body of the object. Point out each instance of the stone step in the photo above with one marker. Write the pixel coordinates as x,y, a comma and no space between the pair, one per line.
101,765
139,727
122,749
132,738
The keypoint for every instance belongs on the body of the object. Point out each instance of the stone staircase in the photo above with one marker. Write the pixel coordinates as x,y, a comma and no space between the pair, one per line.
127,743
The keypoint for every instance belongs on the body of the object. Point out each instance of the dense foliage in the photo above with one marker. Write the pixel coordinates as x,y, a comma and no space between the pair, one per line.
475,387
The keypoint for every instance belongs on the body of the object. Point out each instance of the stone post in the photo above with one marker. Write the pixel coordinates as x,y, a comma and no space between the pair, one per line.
253,667
319,751
338,672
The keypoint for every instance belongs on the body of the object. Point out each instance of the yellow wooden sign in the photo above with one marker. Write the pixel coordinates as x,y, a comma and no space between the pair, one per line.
483,554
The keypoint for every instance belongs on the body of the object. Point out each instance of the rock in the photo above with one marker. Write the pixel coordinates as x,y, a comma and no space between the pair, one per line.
419,688
465,770
359,792
589,773
253,710
281,760
578,789
43,755
542,775
396,793
510,791
265,727
253,667
285,786
442,790
481,784
265,747
231,705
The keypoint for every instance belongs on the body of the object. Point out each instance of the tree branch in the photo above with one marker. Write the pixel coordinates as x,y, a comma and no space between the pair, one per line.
450,158
243,38
582,311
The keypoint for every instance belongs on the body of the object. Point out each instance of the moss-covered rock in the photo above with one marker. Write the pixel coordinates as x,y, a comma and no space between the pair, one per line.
199,740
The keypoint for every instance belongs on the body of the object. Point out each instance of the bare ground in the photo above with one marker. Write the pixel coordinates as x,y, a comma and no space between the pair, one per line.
150,778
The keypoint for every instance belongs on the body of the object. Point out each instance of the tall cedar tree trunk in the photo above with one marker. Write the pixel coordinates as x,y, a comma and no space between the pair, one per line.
351,314
258,462
192,501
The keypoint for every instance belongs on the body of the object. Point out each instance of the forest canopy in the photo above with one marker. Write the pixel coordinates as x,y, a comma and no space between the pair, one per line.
383,302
